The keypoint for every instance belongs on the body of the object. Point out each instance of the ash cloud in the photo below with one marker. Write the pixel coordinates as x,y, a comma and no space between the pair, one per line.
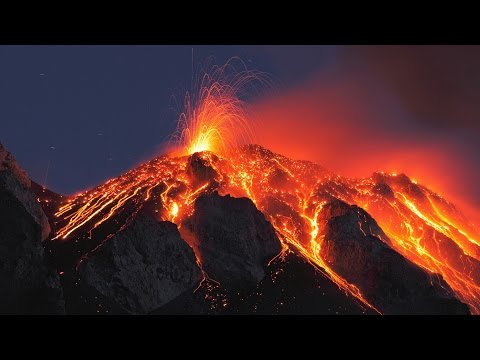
411,109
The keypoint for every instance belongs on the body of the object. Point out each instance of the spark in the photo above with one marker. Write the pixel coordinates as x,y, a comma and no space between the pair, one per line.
215,117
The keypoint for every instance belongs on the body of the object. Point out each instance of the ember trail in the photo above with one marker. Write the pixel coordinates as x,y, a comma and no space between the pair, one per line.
213,154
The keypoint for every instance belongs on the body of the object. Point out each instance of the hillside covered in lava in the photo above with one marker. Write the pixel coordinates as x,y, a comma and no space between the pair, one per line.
251,233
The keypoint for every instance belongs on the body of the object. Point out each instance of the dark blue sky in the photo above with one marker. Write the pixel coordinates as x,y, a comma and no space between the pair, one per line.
124,93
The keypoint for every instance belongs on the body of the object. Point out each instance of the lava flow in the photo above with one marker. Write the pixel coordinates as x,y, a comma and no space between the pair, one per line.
419,224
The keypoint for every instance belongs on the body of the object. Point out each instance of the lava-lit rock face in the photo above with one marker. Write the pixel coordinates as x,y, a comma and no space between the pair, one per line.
199,169
142,267
413,225
390,282
28,285
232,238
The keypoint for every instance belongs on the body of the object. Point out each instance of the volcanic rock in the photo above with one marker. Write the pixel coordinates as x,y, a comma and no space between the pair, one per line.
15,180
8,163
199,168
384,190
49,200
142,267
232,238
28,285
386,279
291,286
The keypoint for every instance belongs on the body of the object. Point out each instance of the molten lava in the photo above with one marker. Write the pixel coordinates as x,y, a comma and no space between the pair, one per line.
419,224
215,117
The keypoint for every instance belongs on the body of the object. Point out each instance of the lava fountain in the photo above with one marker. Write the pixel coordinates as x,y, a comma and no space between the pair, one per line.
215,117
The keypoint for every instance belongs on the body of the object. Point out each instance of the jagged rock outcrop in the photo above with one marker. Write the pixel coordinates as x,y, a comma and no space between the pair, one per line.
17,182
232,238
393,284
8,163
199,169
28,284
142,267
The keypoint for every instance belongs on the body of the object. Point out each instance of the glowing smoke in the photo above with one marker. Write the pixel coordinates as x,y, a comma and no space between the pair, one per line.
352,120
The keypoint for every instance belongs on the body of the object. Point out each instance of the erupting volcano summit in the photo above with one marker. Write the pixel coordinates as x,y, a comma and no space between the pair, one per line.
219,227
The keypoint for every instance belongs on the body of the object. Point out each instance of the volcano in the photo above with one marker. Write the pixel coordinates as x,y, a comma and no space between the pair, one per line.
253,232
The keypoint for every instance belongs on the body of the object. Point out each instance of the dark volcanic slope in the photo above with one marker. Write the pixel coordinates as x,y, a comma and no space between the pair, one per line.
388,280
142,267
234,238
235,244
291,286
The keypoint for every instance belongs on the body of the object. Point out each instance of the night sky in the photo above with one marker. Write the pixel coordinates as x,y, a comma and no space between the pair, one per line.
89,113
122,92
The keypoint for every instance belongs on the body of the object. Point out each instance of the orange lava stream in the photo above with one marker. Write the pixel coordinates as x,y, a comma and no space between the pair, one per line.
420,225
304,237
177,193
430,232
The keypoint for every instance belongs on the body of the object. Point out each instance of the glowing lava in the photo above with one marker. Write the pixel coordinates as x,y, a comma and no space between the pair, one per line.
426,229
214,117
420,225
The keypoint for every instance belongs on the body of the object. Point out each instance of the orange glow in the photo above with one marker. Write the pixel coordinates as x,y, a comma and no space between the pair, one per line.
420,224
215,118
428,230
174,211
337,124
217,124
